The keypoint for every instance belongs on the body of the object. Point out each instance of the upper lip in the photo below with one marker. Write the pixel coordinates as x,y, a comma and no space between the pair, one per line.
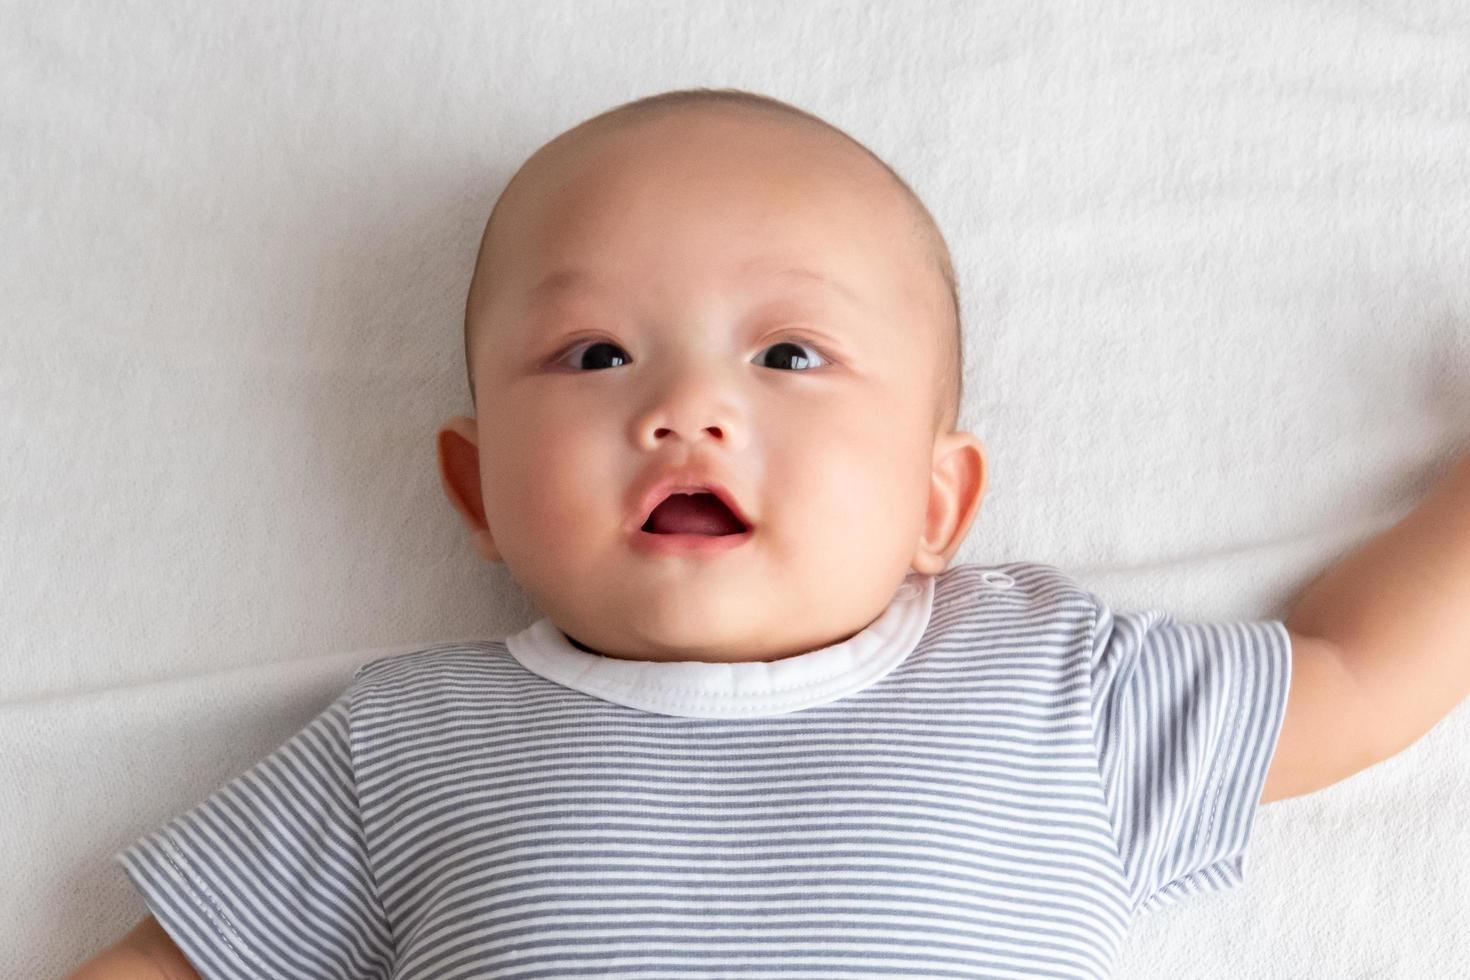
684,479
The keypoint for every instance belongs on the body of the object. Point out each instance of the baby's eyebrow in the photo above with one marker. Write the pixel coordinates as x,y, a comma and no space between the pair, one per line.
569,280
559,282
807,276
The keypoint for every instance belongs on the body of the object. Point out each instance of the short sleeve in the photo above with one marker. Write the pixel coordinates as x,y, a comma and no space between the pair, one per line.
268,876
1186,718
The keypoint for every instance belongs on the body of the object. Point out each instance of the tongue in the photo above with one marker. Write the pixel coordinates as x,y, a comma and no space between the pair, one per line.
699,513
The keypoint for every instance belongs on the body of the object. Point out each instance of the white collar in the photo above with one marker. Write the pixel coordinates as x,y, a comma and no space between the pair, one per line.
695,689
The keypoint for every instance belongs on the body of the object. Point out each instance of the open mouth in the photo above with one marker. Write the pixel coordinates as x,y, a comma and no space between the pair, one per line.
698,513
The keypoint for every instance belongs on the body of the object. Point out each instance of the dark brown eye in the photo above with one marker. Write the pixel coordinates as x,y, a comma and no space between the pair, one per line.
787,355
788,352
597,355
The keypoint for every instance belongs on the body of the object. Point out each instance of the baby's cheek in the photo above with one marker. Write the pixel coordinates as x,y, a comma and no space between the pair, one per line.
553,508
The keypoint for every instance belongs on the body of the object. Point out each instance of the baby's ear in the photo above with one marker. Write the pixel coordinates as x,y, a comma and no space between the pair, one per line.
956,485
459,472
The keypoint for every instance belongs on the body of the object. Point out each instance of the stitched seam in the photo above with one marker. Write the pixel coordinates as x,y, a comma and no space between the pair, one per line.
1229,746
1102,784
361,817
212,909
701,697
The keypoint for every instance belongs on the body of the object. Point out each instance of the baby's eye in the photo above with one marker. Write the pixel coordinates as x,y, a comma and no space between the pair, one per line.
791,351
795,346
602,356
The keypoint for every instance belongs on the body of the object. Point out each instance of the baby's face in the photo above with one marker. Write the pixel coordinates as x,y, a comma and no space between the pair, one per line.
717,291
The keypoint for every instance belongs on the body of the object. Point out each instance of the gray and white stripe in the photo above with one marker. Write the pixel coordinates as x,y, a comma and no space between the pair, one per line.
1004,803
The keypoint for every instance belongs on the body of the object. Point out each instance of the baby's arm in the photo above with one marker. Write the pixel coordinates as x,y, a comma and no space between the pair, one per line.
1380,646
146,953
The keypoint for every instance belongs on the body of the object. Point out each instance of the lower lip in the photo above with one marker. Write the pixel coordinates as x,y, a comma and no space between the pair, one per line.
688,544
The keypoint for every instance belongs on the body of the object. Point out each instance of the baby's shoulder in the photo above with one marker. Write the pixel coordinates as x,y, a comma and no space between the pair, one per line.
427,665
1024,587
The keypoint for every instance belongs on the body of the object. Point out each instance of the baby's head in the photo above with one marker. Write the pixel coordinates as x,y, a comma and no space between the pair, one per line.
720,283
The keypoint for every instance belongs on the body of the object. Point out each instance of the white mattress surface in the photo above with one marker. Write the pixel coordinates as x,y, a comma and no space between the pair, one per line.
1213,266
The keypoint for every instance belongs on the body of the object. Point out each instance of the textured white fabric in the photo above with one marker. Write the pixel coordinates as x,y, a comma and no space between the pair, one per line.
1211,258
694,689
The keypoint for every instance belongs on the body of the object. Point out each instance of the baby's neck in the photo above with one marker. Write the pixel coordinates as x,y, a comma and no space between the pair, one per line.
586,649
580,646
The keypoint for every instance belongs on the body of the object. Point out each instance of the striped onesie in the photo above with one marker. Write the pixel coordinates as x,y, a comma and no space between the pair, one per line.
992,779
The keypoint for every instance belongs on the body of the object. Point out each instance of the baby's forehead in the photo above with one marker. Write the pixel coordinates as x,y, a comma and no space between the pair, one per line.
821,207
732,154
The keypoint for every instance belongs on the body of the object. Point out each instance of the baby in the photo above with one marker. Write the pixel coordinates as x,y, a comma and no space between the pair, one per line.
764,728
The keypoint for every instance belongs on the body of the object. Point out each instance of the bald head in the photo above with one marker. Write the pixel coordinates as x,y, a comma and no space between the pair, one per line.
919,233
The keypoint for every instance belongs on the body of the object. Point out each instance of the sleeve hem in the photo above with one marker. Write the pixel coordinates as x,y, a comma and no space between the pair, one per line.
1255,728
161,874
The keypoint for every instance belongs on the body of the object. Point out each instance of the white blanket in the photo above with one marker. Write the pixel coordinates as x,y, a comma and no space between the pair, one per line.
1213,263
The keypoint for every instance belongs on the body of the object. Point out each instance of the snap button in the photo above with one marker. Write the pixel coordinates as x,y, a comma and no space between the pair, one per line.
908,590
998,579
